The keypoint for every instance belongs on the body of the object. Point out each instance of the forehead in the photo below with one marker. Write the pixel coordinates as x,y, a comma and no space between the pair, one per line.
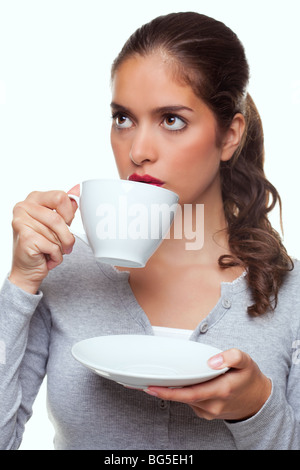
151,80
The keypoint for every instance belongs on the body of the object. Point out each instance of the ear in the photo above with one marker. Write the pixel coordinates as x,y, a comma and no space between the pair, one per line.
233,137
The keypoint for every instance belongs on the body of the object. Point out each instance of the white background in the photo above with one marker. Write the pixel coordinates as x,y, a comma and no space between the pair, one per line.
55,58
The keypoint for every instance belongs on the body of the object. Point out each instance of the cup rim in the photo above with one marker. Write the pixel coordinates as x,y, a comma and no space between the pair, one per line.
115,180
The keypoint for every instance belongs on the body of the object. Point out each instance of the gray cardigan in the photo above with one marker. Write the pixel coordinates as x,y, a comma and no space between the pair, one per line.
82,299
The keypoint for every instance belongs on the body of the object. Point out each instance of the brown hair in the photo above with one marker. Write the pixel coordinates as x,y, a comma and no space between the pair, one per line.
209,57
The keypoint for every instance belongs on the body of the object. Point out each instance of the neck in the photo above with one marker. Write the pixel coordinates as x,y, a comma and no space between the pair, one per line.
198,235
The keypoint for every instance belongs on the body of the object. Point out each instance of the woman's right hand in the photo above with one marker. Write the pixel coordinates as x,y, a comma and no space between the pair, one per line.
41,236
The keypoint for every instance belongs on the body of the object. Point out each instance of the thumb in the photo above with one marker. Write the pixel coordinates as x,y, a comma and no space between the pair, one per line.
234,358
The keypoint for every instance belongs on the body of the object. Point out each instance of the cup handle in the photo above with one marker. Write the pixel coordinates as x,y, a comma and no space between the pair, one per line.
81,236
76,198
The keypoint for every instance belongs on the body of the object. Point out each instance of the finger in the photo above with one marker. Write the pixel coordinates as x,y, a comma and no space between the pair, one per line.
192,393
23,220
232,358
47,222
37,251
55,200
51,251
202,412
183,395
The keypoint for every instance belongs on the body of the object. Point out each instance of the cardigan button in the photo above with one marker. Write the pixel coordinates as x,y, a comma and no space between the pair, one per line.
226,303
204,327
163,404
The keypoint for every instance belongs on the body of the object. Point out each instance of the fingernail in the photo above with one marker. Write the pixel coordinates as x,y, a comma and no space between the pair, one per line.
75,189
215,361
150,392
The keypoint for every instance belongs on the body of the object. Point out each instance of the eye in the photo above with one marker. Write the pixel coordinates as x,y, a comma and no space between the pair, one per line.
122,121
173,123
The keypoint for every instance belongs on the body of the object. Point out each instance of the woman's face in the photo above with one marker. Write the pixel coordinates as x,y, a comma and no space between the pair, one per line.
162,129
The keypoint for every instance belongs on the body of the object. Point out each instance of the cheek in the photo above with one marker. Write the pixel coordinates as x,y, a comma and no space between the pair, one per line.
203,140
114,144
195,166
198,151
119,151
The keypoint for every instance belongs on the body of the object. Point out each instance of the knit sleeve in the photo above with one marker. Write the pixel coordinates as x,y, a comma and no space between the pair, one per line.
24,338
277,425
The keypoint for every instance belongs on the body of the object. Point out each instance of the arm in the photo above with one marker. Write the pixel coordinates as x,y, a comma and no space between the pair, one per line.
41,238
24,337
274,427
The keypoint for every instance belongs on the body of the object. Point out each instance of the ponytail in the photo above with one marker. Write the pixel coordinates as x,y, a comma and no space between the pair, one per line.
248,198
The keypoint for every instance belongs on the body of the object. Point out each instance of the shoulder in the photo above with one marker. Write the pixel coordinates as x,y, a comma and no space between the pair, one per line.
292,280
289,293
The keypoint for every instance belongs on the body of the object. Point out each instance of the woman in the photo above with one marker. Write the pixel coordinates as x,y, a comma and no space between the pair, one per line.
181,113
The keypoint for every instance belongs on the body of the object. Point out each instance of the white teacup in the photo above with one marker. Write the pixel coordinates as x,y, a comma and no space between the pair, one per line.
124,221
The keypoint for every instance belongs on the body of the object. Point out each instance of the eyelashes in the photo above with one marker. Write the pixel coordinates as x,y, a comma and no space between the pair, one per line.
170,122
121,121
174,123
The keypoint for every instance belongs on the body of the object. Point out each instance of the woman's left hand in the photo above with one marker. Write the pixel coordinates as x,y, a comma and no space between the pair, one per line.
236,395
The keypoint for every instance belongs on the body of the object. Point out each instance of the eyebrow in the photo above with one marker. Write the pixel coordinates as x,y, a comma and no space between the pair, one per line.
159,110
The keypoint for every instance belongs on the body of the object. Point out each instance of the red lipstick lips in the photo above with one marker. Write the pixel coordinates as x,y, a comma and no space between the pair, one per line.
146,179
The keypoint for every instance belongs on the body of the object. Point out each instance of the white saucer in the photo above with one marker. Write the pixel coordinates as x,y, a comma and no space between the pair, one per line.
139,361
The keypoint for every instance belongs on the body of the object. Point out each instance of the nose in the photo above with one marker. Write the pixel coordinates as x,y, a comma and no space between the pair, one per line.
143,148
